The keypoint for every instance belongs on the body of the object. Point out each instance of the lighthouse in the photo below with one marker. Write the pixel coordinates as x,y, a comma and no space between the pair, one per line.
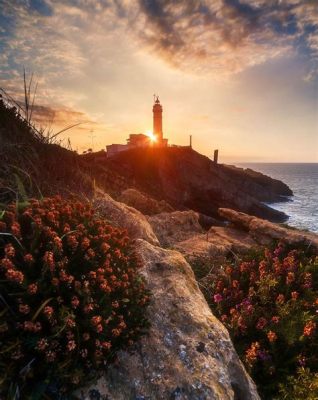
157,120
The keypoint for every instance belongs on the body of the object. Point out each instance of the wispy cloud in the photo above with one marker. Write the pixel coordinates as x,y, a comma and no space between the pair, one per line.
226,36
46,116
210,36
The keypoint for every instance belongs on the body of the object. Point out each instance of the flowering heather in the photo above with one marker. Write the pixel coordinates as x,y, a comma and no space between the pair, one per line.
70,298
269,303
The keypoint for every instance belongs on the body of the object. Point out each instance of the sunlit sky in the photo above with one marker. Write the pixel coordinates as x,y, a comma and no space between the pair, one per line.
240,76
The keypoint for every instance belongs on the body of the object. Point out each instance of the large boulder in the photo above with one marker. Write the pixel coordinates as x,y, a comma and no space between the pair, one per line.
217,241
144,203
121,215
176,226
187,354
264,232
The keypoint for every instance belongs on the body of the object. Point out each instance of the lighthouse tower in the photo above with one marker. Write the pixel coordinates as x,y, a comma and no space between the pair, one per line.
157,120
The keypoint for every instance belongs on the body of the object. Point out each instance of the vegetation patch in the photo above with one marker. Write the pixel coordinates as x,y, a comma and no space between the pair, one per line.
269,303
70,297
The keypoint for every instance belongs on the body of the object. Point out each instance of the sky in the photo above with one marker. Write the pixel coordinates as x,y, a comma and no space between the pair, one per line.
240,76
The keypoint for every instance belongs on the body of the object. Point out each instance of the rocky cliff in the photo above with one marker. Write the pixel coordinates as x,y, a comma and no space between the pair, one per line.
188,180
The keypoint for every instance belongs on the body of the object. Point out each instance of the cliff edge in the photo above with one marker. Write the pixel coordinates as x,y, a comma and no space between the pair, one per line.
188,180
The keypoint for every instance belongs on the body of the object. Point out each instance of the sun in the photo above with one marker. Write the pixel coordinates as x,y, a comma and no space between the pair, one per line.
152,136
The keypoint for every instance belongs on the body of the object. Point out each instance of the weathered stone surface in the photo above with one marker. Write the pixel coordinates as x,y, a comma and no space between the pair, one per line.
264,232
119,214
144,203
175,227
188,354
218,241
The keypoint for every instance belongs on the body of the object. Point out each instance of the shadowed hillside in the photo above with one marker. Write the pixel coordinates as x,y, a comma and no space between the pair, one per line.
189,180
180,176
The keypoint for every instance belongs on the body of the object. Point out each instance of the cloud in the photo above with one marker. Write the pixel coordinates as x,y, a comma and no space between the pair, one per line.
47,116
59,38
227,36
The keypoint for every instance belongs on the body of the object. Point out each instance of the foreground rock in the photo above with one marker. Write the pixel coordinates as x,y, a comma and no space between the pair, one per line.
175,226
219,241
143,203
188,353
264,232
121,215
182,231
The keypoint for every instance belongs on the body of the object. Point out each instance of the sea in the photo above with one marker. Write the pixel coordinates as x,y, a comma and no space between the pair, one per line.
302,208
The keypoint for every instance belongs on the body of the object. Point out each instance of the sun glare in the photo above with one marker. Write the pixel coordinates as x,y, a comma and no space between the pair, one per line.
152,136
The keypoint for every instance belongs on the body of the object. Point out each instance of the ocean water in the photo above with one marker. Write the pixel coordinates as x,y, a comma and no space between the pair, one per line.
302,208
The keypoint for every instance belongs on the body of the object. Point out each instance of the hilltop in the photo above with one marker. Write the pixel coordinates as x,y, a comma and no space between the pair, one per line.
186,179
179,176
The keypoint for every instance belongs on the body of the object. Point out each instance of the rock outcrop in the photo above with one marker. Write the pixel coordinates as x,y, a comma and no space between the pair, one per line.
188,180
218,241
121,215
264,232
182,231
188,354
144,203
175,226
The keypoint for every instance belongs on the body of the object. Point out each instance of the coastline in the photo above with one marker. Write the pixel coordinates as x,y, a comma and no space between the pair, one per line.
302,178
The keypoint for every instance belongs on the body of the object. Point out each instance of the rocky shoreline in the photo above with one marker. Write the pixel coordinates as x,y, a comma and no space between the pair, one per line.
188,353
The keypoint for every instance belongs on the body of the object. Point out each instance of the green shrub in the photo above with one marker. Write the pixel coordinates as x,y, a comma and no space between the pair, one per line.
303,385
269,303
70,297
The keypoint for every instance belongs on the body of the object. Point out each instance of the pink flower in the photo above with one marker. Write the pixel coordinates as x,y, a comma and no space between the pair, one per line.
115,332
32,288
280,299
50,356
15,276
24,309
42,344
48,311
70,323
71,345
294,295
217,298
85,243
106,345
275,319
252,353
261,323
290,278
75,302
307,280
309,328
48,259
9,250
97,319
272,337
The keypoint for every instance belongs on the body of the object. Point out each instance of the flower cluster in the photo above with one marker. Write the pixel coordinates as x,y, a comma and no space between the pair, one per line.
269,303
71,295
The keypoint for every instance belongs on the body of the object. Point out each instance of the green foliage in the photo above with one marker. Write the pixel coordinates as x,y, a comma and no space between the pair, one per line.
269,303
70,297
303,385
